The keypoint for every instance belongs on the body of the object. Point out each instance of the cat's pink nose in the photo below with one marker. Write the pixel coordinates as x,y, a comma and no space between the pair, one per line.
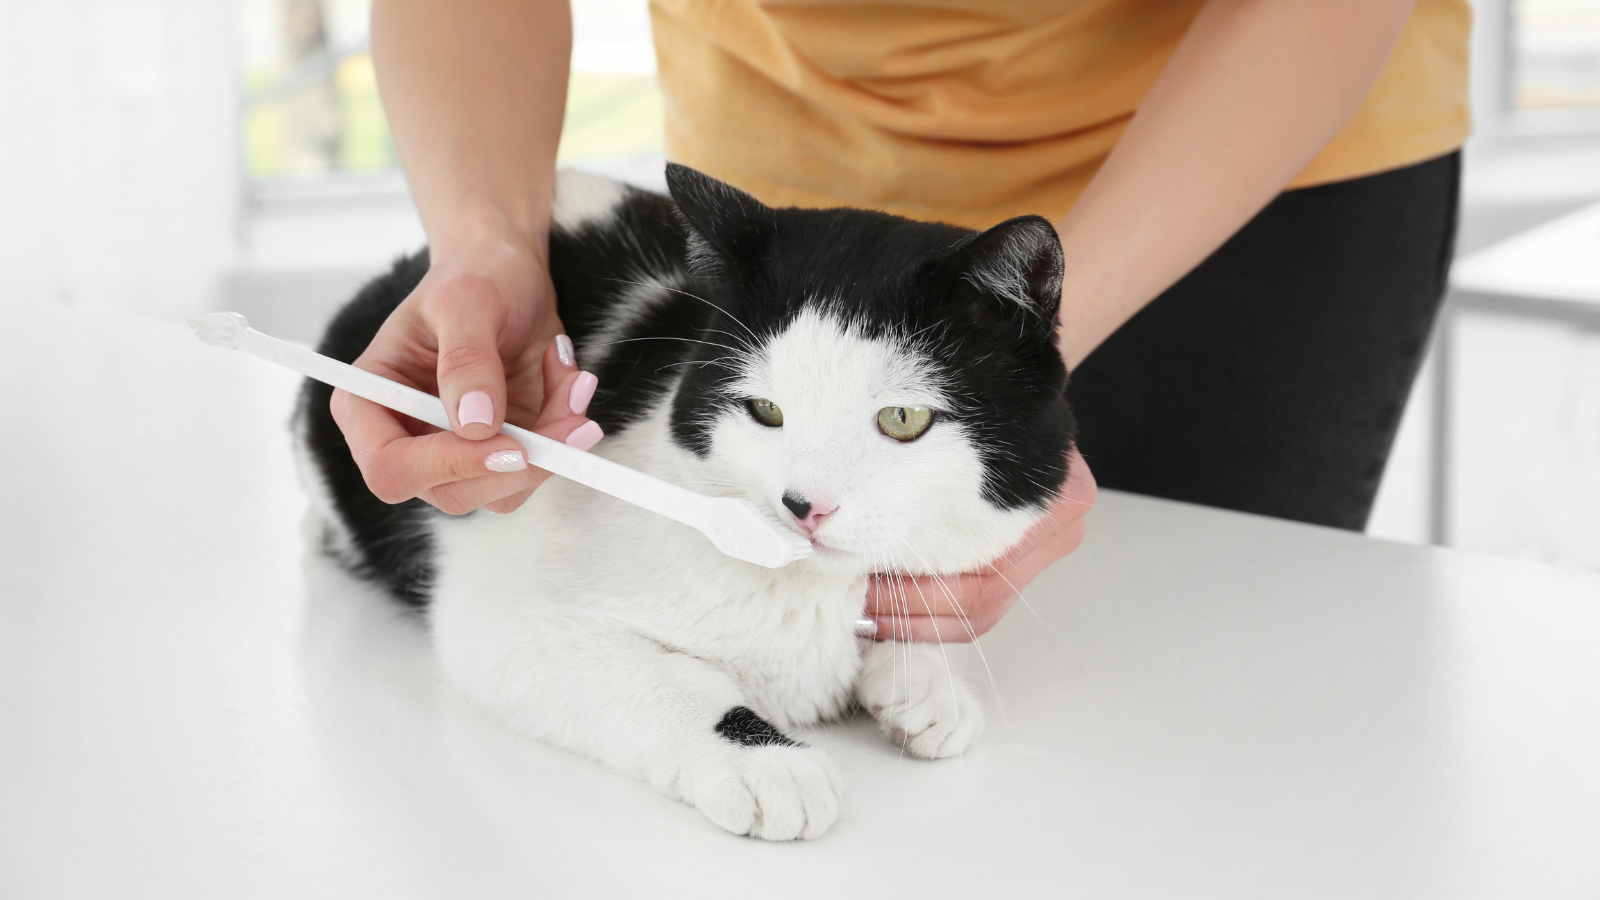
818,512
808,513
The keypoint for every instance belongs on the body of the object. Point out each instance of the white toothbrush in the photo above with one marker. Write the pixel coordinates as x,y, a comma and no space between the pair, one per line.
735,526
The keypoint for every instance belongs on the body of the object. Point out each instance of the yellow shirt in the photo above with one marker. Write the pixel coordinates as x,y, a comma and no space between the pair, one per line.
973,111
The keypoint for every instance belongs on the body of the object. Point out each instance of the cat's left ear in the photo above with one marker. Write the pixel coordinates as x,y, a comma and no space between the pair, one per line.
732,227
1017,263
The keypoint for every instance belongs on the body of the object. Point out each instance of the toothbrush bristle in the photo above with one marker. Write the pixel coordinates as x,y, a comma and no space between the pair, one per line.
745,531
219,329
799,547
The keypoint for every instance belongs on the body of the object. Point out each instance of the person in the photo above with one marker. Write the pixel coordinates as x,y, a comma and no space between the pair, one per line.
1256,201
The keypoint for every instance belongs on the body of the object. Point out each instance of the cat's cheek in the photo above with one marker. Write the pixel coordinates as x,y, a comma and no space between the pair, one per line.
750,460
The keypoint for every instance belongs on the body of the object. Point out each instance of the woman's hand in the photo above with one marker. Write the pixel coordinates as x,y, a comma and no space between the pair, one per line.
479,331
963,607
474,94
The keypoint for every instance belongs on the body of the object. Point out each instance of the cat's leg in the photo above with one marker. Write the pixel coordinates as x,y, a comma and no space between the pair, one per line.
917,701
664,717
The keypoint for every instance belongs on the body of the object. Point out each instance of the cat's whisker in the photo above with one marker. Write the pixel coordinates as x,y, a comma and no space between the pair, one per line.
663,338
731,316
902,608
966,624
1002,576
943,651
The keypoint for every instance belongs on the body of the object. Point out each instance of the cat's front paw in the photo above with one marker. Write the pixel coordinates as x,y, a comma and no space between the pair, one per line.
773,792
917,703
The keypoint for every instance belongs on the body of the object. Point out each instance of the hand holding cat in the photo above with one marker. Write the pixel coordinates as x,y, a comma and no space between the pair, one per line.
478,331
955,609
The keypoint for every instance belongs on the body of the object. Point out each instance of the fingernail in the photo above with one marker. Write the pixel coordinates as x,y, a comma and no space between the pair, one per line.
866,627
505,461
585,436
569,357
475,409
582,393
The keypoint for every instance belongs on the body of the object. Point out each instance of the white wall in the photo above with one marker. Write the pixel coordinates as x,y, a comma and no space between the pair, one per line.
118,166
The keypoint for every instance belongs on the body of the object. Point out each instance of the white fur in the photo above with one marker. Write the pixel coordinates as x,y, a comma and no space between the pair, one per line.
583,197
589,623
597,626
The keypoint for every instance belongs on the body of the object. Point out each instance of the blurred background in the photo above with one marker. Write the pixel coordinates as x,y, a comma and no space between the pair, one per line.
167,157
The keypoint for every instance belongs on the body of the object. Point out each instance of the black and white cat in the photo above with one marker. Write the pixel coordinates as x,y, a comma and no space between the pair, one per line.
890,388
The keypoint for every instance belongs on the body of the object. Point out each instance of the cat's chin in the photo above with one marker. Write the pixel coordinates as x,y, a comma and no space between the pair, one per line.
833,560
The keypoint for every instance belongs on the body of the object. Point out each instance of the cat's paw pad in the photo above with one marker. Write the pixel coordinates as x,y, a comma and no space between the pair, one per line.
931,716
775,793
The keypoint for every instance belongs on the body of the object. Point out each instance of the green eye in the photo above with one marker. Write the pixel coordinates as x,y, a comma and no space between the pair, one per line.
904,423
766,412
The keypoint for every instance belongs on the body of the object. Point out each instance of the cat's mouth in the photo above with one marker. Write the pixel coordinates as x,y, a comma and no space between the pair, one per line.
822,548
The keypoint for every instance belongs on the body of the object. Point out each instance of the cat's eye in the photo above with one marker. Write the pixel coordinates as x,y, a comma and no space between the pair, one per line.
904,423
766,412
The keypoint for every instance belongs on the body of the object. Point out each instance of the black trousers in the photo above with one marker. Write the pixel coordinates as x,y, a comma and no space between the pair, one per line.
1271,378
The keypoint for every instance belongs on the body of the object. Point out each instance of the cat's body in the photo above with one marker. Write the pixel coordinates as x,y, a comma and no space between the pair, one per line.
620,634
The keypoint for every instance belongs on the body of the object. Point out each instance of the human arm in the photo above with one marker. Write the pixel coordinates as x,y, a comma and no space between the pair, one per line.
474,93
1253,92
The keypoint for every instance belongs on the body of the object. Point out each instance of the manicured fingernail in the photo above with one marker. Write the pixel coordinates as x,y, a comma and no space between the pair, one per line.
866,627
585,436
475,409
582,392
569,358
505,461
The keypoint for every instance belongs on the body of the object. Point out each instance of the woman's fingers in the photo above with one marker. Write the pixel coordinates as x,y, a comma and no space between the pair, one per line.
398,465
931,629
962,607
466,312
567,395
567,389
500,491
453,474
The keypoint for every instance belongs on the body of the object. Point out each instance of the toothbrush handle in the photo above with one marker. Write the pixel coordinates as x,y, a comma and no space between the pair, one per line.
676,503
380,390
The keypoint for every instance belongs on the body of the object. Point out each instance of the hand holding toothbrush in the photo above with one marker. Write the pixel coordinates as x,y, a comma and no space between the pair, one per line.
480,332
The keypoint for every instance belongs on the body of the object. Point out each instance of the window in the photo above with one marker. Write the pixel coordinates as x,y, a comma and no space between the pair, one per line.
310,97
1556,48
311,104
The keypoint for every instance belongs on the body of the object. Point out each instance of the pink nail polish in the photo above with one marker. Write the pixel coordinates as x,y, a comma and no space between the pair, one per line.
475,409
585,436
505,461
582,393
866,627
564,351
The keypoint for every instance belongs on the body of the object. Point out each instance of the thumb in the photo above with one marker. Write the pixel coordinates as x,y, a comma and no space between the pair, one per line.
472,379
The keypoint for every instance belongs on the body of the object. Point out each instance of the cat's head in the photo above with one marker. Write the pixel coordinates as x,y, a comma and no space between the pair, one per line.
890,387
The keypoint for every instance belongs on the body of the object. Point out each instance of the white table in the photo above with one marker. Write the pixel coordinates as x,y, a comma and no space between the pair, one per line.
1549,273
1202,704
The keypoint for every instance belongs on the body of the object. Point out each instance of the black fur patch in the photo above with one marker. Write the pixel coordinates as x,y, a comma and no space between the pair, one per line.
392,542
928,283
595,269
980,307
742,726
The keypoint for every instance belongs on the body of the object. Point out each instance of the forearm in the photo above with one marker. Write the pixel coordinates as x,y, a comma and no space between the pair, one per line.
1254,91
475,93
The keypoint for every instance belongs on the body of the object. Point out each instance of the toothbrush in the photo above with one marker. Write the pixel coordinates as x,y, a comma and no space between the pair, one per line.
735,526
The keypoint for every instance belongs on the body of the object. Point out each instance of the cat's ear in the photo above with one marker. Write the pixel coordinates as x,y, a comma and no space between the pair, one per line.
1017,263
728,226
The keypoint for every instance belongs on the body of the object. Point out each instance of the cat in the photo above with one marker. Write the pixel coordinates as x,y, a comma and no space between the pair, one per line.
890,388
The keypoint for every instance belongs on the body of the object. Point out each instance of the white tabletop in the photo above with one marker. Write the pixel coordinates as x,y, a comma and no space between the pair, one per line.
1199,704
1559,260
